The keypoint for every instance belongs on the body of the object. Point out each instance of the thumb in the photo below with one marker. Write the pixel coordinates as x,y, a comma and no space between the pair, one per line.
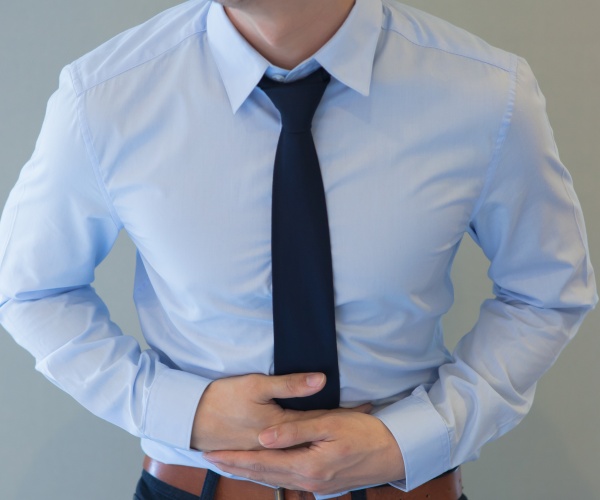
295,385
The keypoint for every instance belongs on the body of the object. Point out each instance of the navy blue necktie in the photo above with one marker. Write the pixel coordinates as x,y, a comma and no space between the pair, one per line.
303,302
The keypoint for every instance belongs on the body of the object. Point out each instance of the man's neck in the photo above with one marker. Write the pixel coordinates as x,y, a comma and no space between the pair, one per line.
287,32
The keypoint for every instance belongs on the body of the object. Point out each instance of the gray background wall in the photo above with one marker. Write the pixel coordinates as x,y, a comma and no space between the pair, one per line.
52,448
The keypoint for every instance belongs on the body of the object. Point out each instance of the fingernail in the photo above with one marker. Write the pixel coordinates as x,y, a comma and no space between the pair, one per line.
267,437
314,379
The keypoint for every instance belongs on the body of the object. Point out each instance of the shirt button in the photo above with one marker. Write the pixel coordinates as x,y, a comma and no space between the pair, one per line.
278,78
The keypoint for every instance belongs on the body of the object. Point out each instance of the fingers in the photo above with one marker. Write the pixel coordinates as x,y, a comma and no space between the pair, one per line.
296,385
272,461
294,433
310,427
364,408
277,467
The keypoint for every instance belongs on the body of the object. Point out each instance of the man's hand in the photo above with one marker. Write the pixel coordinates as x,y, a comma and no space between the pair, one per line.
234,411
342,451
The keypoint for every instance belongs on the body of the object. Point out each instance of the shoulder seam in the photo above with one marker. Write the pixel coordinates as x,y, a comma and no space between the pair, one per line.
457,54
93,158
83,90
505,126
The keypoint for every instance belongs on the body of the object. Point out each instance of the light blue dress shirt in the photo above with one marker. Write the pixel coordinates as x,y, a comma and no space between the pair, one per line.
424,134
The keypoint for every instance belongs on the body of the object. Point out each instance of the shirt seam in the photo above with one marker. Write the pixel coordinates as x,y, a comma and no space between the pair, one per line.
93,158
83,90
446,51
504,128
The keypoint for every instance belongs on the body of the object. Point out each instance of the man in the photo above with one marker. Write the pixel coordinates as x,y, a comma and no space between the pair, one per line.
424,133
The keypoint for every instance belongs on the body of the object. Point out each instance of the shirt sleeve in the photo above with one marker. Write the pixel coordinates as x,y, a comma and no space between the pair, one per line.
529,225
57,226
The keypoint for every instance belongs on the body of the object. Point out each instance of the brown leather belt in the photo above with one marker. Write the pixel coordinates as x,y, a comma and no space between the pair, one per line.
448,486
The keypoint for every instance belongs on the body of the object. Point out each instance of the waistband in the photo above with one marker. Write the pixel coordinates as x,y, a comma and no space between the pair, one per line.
448,486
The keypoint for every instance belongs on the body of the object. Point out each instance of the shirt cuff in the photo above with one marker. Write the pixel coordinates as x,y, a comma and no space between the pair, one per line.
171,409
422,437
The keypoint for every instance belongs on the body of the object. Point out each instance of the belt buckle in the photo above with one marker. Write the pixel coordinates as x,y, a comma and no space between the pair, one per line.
279,494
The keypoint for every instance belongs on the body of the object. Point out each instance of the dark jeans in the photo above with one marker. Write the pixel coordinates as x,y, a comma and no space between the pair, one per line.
150,488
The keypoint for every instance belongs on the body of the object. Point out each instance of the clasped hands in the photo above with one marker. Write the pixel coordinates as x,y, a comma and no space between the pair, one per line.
244,432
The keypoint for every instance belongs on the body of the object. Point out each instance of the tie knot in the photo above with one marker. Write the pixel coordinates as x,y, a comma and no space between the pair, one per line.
297,101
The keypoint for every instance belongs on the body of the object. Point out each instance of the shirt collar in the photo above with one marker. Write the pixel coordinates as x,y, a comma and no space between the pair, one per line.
348,56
